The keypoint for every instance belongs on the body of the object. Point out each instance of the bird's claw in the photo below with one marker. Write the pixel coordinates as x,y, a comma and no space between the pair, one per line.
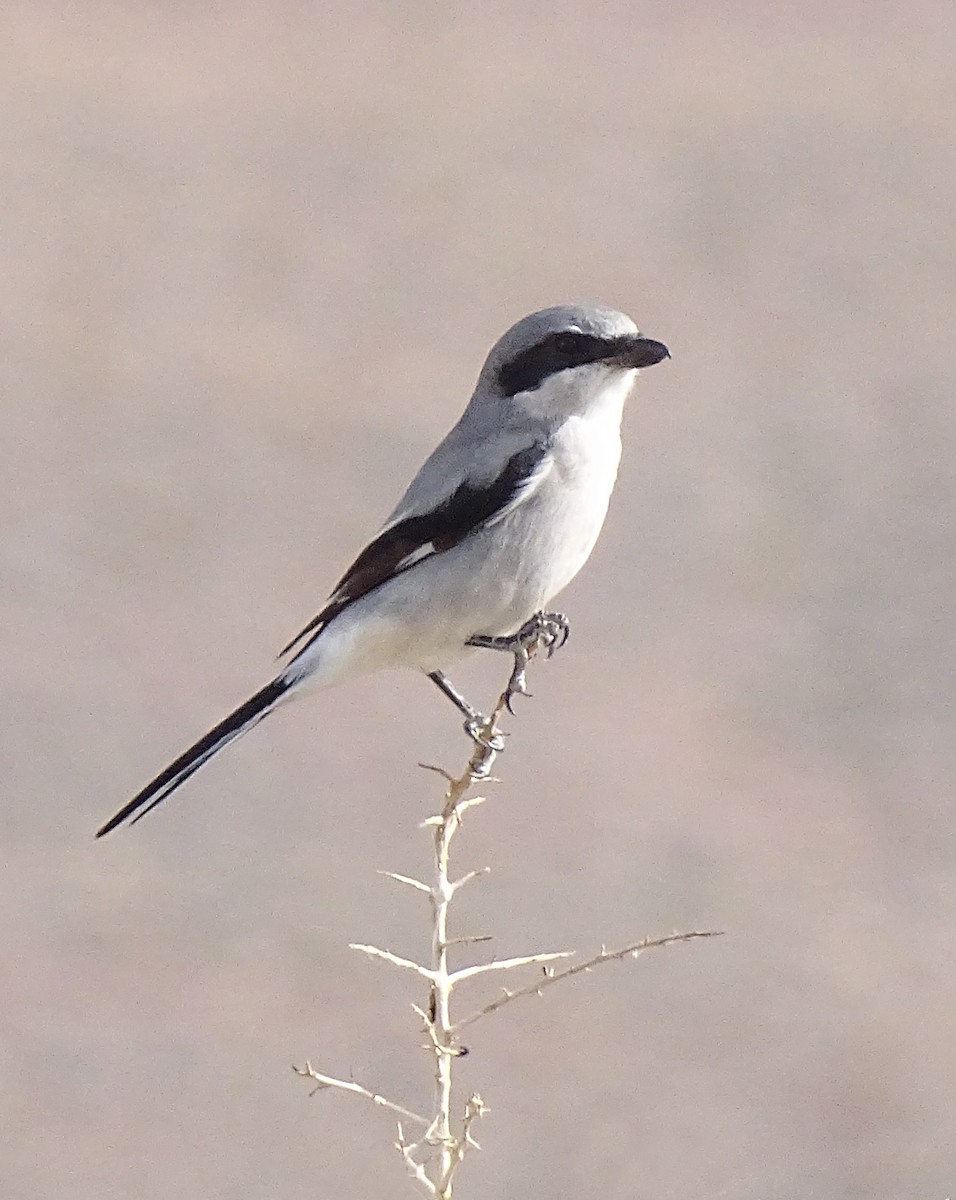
547,631
477,728
518,683
554,630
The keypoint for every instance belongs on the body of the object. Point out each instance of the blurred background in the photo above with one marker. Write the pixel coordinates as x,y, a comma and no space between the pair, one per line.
252,259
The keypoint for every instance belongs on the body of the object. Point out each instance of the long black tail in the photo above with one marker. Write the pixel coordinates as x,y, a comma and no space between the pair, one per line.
245,716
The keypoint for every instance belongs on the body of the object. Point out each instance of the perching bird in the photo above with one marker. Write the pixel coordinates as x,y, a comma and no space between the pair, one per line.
499,519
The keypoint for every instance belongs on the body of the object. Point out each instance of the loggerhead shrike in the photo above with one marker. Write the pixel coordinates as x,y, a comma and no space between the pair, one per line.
499,519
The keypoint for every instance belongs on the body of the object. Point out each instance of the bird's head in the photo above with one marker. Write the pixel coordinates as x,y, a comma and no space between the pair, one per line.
560,358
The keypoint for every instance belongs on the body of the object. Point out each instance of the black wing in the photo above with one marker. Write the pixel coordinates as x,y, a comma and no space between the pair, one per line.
411,540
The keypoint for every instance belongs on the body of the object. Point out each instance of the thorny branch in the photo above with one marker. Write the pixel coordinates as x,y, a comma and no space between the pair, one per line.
603,956
434,1158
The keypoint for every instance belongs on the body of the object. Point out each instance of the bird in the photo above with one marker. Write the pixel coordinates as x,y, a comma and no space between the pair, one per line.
499,519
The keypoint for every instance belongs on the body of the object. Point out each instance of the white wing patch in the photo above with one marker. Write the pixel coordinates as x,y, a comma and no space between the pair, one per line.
424,551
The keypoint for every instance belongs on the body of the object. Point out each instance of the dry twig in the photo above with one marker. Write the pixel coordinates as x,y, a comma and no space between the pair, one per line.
434,1158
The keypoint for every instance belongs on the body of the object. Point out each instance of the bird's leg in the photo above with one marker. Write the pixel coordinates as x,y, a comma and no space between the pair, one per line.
546,631
475,722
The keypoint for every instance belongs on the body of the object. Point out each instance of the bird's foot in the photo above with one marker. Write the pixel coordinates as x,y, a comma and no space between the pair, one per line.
481,731
547,631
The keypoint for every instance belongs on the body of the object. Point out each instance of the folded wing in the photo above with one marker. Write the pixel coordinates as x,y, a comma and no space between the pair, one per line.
412,539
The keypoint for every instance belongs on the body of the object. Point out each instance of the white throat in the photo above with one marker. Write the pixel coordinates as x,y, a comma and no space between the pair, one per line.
596,390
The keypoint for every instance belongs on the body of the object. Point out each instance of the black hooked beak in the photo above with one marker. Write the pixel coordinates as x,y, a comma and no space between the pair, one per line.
638,351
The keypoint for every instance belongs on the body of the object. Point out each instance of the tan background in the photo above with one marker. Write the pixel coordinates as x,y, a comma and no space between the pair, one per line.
252,259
